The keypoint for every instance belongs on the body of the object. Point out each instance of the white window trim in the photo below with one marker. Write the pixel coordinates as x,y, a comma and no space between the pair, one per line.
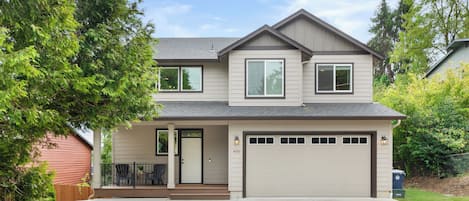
288,140
159,79
367,140
322,144
334,90
182,78
257,140
265,79
176,145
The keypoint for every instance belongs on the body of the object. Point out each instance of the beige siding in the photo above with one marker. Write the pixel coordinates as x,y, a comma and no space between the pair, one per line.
215,84
315,37
265,40
453,62
362,80
138,145
293,75
384,152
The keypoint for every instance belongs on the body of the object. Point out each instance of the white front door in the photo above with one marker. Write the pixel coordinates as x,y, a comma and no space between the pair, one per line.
191,159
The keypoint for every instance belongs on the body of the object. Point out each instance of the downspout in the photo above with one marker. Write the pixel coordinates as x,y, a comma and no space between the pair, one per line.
398,124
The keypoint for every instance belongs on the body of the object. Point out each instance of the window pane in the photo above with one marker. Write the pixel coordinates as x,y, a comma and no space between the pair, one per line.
261,140
332,140
346,140
252,140
283,140
162,142
363,140
301,140
191,133
255,78
325,77
270,140
342,79
274,77
315,140
323,140
192,78
169,78
354,140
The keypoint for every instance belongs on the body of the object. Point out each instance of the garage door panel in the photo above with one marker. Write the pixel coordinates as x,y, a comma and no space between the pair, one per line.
308,170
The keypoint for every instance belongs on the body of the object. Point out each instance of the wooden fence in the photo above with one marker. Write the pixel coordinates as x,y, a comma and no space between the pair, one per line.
71,192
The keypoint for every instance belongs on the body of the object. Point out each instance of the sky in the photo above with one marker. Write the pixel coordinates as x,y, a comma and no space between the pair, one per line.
237,18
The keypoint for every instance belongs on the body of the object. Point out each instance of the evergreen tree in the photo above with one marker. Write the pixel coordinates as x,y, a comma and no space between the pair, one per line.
382,41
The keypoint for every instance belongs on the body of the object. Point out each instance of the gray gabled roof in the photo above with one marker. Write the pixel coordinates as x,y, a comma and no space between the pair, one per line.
269,30
208,110
190,48
452,47
329,27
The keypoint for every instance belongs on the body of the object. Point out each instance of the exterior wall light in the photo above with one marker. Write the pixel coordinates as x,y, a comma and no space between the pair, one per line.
384,140
236,140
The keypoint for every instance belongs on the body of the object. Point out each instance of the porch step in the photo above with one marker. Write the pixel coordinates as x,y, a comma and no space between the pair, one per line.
199,192
200,196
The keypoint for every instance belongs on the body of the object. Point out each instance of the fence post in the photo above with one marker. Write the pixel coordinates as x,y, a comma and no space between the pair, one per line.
134,177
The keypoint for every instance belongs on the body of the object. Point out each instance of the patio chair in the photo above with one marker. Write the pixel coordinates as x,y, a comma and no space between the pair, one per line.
123,173
158,173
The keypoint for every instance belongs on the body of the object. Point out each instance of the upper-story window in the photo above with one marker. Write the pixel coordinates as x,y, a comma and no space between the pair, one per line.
180,79
334,78
265,78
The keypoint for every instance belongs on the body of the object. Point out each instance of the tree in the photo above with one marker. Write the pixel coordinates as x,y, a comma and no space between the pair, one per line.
382,40
430,26
116,58
437,121
60,66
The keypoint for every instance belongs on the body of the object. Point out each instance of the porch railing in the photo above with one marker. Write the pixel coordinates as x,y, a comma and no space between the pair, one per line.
133,174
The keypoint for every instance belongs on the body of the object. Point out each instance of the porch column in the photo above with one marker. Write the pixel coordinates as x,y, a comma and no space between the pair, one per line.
171,178
96,180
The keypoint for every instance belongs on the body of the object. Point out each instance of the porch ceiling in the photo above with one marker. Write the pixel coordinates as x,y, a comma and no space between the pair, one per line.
207,110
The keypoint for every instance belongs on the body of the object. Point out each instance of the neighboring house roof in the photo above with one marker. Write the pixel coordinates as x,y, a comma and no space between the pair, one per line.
190,48
309,16
452,47
262,30
84,135
191,110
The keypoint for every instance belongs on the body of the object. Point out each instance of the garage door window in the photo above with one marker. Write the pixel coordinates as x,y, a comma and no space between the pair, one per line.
323,140
292,140
354,140
261,140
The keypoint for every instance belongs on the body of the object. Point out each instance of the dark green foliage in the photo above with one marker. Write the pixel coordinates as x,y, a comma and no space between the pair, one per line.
63,64
36,184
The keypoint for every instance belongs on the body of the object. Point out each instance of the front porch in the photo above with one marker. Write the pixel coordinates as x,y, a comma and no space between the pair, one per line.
164,160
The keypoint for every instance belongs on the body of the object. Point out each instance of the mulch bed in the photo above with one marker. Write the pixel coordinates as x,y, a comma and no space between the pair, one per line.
457,186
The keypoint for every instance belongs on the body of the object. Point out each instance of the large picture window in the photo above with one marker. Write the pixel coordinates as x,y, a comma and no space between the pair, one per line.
334,78
162,142
265,78
180,79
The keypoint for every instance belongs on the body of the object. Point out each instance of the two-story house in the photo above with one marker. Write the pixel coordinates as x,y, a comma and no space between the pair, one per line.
285,111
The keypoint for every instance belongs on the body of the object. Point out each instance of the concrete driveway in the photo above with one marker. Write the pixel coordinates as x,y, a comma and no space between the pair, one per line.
254,199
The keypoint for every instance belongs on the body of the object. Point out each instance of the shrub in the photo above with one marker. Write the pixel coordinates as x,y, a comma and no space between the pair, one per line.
437,123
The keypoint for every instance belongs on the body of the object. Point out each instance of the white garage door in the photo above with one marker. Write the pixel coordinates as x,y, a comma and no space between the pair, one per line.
308,166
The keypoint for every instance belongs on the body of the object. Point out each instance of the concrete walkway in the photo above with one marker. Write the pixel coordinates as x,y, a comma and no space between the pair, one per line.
254,199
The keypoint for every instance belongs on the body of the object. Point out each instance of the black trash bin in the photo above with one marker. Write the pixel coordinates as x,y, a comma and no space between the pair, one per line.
398,184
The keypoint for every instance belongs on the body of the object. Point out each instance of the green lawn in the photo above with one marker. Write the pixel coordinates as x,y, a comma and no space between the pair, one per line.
420,195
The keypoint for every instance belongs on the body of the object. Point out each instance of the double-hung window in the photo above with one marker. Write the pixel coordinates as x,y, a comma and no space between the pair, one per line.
334,78
180,79
265,78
